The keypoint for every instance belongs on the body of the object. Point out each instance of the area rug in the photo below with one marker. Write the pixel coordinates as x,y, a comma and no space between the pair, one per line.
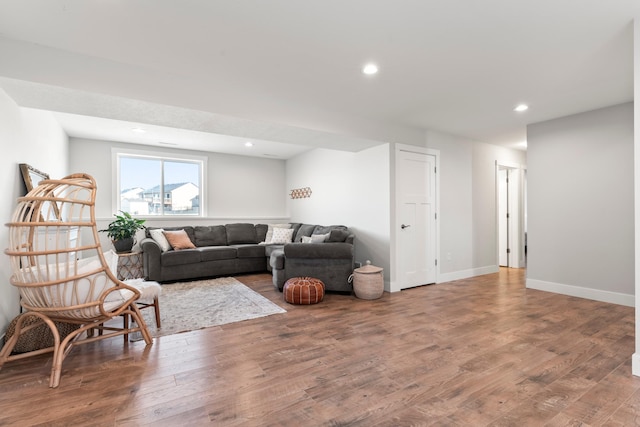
188,306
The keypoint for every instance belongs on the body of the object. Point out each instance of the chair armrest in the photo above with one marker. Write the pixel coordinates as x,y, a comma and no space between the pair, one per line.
319,250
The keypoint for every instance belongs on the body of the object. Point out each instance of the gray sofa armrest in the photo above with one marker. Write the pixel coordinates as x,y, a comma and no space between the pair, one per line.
319,250
150,258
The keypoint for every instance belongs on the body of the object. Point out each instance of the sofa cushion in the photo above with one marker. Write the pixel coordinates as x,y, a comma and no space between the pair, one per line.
214,253
295,226
241,233
187,256
304,230
250,251
261,232
338,235
214,235
269,249
179,240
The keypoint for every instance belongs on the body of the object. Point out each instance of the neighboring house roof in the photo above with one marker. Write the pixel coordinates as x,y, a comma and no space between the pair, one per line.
168,187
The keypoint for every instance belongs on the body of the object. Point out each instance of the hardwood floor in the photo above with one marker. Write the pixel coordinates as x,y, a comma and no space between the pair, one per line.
475,352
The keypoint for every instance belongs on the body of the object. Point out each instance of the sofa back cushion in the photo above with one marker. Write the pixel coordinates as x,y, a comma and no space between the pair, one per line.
261,232
241,233
214,235
338,235
303,230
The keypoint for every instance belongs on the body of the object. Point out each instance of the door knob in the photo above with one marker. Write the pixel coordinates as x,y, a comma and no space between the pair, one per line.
405,226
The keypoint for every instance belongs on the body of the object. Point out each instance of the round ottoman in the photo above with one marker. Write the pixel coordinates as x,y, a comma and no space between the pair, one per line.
303,290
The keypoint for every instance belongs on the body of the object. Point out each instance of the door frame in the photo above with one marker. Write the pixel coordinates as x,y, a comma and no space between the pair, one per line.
394,283
517,222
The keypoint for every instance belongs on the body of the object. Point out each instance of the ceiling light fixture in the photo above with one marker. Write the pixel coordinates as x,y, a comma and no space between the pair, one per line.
520,108
248,144
370,69
138,130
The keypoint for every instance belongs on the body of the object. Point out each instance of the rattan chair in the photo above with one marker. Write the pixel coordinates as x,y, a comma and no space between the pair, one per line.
62,274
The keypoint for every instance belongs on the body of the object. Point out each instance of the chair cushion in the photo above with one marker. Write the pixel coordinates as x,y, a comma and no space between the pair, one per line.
80,291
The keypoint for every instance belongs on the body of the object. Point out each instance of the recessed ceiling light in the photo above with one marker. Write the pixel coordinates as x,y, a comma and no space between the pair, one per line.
520,108
248,144
138,130
370,69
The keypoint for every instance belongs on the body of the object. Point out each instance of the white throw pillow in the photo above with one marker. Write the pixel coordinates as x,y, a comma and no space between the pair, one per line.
319,238
306,239
157,234
270,228
282,236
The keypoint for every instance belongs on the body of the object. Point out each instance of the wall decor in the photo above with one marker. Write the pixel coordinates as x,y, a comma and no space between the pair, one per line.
300,193
31,176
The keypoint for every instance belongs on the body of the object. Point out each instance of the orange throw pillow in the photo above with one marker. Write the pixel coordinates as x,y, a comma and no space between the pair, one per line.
179,240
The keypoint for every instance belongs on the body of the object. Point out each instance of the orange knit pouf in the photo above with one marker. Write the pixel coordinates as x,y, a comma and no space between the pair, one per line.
303,290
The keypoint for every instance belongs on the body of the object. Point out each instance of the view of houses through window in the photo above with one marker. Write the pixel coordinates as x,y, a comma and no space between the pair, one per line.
159,186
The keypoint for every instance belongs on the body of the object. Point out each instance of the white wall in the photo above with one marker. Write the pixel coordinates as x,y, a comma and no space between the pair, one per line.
240,188
581,205
351,189
35,138
467,212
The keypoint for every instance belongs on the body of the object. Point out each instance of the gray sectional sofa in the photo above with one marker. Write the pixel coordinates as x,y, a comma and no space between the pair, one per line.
222,250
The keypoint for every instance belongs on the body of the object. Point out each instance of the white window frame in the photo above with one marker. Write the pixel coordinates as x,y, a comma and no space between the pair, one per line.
117,152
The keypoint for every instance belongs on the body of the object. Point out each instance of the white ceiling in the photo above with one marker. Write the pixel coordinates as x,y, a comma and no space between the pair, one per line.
287,72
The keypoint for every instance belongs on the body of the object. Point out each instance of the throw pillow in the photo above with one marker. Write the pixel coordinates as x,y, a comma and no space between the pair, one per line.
282,236
319,238
157,234
338,235
305,239
179,240
270,229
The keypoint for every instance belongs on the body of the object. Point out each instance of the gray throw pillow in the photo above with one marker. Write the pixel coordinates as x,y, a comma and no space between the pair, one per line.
338,235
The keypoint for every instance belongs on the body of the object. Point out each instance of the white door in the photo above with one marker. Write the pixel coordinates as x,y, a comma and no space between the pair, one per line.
503,217
417,219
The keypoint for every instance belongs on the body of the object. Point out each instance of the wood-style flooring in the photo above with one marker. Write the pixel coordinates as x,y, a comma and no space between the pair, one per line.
483,351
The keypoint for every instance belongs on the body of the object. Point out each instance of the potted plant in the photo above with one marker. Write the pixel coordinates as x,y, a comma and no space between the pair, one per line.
122,231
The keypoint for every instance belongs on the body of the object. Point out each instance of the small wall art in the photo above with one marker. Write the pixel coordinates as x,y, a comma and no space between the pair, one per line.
300,193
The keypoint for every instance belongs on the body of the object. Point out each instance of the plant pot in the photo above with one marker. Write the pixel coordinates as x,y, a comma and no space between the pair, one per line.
123,245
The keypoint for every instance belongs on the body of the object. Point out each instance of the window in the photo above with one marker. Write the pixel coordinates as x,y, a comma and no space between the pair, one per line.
154,185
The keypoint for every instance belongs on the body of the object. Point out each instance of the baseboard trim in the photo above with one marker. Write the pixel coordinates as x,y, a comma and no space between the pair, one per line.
465,274
580,292
635,364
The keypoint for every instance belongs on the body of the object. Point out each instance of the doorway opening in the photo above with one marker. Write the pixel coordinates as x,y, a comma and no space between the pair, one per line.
511,215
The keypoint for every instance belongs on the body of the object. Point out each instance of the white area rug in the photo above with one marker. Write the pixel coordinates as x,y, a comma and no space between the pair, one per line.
188,306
